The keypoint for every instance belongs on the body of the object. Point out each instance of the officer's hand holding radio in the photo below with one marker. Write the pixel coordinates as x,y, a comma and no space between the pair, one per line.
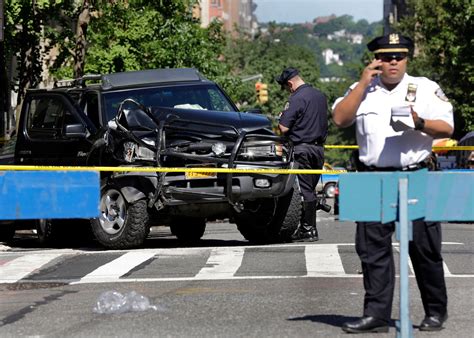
372,70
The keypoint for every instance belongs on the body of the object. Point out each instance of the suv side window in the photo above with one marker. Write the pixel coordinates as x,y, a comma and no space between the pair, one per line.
47,117
91,108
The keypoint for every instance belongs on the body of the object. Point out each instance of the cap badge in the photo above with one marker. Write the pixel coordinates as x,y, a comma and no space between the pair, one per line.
393,39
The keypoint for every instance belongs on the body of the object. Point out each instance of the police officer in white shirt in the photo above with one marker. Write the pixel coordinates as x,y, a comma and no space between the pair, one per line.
397,116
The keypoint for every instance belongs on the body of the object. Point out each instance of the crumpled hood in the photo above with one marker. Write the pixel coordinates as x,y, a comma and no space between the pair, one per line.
238,120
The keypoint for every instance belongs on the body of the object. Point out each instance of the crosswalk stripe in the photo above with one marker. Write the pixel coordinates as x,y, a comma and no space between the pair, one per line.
222,263
21,267
118,267
447,273
323,259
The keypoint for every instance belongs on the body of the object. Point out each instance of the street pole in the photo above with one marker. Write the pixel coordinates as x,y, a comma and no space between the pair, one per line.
4,87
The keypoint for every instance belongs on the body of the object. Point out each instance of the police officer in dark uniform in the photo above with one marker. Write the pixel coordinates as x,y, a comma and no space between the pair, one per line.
374,104
304,121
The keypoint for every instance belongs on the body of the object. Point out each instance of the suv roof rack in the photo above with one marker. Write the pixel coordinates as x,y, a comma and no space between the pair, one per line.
151,76
79,82
135,78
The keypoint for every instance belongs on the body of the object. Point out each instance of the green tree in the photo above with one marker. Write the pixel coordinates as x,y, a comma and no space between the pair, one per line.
444,37
141,35
267,56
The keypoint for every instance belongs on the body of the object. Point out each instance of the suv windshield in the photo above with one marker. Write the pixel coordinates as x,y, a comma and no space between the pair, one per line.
208,97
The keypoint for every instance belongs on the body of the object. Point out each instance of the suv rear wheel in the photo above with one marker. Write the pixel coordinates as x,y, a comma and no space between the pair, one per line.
121,225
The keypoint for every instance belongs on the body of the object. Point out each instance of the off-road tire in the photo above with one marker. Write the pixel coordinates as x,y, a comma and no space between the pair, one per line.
48,232
255,221
135,226
273,220
188,229
288,215
64,232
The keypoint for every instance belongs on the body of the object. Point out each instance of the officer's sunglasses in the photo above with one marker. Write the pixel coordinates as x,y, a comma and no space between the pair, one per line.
388,57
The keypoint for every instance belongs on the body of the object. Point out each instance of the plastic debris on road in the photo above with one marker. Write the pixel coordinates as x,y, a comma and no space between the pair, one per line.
115,302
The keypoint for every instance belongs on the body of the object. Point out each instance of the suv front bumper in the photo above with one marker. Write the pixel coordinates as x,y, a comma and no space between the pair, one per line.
180,190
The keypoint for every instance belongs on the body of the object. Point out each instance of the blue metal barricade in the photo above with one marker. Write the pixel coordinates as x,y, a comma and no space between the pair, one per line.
403,197
49,194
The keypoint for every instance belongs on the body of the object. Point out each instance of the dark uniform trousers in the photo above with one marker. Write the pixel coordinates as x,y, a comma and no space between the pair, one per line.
374,247
309,156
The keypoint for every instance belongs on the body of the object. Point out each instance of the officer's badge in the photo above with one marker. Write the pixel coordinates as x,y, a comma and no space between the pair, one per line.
441,95
394,39
287,105
411,93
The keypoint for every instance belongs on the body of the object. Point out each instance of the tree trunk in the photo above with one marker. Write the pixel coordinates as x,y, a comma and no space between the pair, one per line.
4,94
81,42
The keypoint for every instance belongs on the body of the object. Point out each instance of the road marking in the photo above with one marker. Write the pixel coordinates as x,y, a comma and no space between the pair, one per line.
21,267
323,259
447,273
118,267
223,263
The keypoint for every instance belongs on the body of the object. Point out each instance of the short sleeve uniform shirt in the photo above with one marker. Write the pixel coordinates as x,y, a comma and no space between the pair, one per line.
305,115
381,142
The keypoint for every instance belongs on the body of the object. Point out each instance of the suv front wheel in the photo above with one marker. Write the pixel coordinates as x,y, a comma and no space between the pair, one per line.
120,225
270,220
188,228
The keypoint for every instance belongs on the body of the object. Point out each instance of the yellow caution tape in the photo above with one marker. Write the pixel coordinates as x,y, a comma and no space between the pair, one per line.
434,148
455,148
171,170
341,147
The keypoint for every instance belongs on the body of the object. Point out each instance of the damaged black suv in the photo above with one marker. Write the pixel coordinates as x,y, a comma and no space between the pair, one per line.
165,118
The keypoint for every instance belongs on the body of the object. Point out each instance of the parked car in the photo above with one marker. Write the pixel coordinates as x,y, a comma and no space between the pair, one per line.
327,182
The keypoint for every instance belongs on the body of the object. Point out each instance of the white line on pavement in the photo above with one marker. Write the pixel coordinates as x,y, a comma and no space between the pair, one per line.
20,267
118,267
222,263
323,259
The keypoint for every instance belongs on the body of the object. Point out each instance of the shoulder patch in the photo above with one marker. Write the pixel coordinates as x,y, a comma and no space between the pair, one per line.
441,95
287,105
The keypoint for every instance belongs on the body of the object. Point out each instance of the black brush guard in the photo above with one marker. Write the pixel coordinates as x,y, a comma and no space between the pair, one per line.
239,136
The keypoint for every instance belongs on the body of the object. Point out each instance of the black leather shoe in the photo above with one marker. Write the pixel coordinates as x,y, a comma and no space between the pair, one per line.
433,323
301,235
366,324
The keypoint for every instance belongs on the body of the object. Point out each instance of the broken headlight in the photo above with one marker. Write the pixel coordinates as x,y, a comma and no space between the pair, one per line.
133,152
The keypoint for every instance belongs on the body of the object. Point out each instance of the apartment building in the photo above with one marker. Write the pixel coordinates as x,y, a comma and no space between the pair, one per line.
232,13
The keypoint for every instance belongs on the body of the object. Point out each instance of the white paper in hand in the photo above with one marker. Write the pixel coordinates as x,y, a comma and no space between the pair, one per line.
401,119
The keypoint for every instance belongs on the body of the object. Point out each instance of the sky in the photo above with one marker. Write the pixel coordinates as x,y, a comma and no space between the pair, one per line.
298,11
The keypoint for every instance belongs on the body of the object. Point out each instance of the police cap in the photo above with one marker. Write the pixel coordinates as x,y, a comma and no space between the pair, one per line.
287,74
392,43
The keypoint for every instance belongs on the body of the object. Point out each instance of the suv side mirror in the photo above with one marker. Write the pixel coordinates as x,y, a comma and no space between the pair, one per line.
75,130
254,111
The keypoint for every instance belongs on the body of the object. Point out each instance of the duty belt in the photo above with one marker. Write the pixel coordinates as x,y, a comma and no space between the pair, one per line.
411,167
310,144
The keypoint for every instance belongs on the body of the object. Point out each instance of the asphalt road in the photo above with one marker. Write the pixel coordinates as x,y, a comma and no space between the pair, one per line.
222,287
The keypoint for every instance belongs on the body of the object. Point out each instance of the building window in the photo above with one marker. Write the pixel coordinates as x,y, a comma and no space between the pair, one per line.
216,3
